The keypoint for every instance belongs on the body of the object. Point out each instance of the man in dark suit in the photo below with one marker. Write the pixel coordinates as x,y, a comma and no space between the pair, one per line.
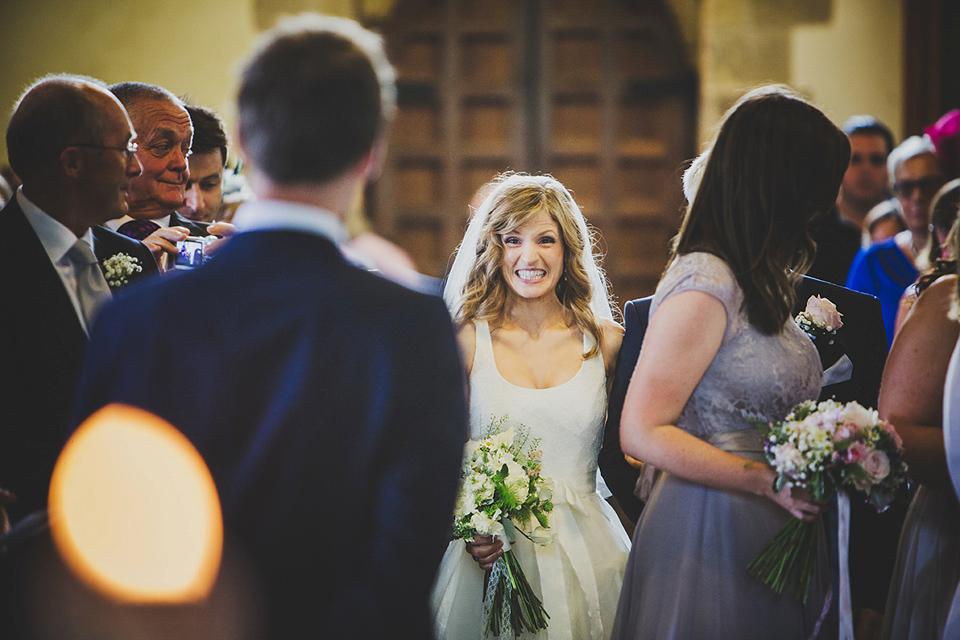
165,133
70,141
853,367
330,406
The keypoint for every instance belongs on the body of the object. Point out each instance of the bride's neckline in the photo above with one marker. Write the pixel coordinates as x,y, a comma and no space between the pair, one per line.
496,368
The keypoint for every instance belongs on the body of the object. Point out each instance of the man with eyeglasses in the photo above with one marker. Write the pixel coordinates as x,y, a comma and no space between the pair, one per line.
70,142
164,135
885,270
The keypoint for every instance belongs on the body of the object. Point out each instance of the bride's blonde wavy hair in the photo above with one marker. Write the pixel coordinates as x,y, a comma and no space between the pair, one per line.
517,198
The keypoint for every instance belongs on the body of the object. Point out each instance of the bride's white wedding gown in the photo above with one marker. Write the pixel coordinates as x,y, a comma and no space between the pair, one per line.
579,575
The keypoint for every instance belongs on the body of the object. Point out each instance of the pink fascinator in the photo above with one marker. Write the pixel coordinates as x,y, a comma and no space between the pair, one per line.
945,135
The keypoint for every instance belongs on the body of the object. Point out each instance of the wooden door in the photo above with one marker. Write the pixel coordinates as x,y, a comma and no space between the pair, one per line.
598,93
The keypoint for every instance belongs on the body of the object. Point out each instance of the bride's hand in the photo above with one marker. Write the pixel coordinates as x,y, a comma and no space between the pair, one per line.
485,550
797,501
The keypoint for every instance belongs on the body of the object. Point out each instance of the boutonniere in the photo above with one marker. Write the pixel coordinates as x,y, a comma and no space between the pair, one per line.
119,267
820,318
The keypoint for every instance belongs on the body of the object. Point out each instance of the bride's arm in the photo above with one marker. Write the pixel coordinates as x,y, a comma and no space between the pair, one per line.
682,340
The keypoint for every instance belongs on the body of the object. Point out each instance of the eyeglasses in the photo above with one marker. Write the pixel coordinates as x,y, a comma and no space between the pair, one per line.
928,186
128,150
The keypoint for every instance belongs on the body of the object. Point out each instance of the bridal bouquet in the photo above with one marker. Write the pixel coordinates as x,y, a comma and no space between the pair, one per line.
502,493
824,448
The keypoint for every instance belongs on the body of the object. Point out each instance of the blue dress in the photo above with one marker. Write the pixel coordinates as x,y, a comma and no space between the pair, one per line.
885,272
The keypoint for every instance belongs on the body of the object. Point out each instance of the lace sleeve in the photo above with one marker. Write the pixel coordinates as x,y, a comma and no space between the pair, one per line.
707,273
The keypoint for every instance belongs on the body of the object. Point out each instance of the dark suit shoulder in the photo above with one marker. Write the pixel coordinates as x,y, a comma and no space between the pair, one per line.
196,227
838,294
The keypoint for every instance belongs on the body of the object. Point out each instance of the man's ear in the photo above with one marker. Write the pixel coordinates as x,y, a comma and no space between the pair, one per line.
372,163
240,147
71,161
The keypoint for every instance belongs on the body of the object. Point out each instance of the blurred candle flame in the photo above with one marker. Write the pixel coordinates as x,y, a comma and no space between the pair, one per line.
134,511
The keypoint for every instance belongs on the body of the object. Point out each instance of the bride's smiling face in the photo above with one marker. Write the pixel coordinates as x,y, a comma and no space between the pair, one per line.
532,262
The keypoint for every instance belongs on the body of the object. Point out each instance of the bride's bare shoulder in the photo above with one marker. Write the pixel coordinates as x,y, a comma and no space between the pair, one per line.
612,337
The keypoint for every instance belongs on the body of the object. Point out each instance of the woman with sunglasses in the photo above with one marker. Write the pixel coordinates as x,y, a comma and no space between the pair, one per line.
885,270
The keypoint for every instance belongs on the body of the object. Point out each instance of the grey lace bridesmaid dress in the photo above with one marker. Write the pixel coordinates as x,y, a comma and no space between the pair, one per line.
687,573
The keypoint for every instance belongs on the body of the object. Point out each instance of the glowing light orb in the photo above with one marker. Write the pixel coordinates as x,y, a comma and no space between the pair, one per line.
134,511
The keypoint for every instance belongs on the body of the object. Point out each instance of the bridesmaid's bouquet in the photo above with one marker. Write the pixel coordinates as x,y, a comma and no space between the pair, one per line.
824,448
502,493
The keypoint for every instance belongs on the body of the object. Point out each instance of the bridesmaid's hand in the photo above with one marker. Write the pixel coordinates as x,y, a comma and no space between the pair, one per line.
485,550
797,501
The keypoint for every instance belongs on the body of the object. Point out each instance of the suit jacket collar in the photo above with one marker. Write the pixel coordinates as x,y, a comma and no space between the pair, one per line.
196,228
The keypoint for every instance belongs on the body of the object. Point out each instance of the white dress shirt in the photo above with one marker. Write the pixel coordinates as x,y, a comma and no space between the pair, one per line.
277,215
57,241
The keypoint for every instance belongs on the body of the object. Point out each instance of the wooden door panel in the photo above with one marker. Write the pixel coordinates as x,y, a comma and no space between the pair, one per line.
597,93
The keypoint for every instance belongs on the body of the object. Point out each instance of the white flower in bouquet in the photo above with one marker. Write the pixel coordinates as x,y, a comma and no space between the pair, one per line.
859,416
542,536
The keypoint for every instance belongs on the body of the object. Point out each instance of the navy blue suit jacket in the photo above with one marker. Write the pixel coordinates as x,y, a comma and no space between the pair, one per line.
329,405
42,344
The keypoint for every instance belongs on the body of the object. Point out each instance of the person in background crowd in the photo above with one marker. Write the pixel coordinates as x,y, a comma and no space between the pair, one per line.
866,182
885,270
208,157
943,213
883,222
72,144
165,133
838,233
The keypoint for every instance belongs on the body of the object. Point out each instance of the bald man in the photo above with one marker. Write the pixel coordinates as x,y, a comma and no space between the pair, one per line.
72,145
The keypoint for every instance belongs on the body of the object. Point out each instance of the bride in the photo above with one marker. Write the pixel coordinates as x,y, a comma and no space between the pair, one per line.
539,344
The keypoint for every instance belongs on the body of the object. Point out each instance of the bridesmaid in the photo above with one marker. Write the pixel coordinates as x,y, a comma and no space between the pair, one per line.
722,349
911,397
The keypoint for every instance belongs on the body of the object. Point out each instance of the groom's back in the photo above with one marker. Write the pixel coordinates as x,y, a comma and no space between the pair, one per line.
327,402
